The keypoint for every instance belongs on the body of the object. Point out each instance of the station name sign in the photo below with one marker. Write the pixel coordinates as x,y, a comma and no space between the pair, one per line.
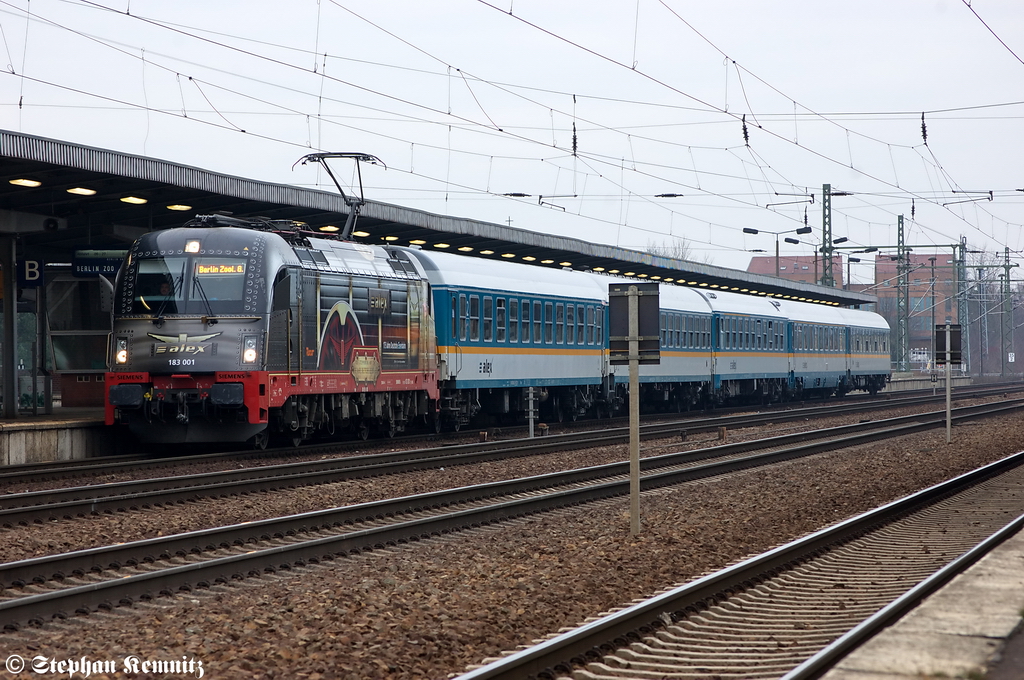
93,263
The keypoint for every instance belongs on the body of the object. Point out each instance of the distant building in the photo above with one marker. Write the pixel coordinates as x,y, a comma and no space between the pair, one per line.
804,268
927,304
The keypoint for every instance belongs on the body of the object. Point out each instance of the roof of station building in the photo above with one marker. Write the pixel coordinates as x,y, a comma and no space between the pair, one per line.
52,223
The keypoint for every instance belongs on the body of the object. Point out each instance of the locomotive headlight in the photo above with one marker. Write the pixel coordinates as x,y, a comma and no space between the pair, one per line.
249,350
121,351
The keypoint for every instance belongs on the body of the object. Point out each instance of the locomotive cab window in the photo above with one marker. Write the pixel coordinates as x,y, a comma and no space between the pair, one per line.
218,283
155,288
189,285
282,291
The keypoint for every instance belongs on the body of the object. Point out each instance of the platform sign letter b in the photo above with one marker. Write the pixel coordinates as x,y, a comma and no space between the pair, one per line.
30,273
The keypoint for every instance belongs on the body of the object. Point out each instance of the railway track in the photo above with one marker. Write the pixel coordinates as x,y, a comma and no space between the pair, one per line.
794,611
41,506
696,422
102,577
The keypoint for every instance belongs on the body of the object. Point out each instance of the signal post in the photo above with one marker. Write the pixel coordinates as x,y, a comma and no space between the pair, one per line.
634,338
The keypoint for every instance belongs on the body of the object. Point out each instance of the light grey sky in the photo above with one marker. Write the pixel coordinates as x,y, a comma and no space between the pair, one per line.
466,101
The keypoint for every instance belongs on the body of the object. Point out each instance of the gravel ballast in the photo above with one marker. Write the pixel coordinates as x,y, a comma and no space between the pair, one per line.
430,609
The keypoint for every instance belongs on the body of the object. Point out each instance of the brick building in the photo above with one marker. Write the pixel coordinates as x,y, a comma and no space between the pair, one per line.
806,268
928,304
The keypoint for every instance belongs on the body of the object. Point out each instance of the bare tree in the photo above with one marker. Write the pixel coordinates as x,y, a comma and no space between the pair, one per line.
678,249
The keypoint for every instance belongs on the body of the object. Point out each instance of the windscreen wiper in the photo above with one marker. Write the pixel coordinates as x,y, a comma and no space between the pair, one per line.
176,286
198,285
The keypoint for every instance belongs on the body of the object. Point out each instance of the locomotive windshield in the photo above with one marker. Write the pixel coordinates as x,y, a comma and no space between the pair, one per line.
189,285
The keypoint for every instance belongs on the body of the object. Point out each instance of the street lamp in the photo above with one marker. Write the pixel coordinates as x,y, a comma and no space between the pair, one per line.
776,234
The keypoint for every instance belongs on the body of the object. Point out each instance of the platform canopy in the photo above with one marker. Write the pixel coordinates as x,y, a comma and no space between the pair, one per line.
75,198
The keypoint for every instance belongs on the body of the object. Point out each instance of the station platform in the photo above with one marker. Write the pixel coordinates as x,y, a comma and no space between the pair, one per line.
972,628
69,433
908,382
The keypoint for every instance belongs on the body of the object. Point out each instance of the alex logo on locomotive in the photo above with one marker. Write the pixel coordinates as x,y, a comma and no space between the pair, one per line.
181,343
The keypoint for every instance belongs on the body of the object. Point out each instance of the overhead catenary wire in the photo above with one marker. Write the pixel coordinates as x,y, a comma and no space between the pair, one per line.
487,128
683,93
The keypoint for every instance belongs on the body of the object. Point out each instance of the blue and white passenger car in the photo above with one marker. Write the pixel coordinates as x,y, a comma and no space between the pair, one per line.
719,347
685,376
750,350
503,327
836,350
867,350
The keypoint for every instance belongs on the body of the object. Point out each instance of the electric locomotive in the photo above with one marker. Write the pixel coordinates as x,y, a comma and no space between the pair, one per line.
233,330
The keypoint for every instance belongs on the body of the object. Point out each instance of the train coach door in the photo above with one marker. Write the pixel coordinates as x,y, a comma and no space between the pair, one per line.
791,352
309,328
460,320
283,334
716,342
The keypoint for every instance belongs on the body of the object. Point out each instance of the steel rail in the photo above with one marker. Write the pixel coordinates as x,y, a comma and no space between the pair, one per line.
39,506
704,421
40,569
597,638
599,437
823,661
25,571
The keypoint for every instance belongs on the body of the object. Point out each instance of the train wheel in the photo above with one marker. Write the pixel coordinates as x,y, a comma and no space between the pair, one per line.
260,440
391,429
363,430
437,424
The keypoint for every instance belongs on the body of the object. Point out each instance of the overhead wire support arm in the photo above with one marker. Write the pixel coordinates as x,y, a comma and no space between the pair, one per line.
542,202
354,203
808,198
986,196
